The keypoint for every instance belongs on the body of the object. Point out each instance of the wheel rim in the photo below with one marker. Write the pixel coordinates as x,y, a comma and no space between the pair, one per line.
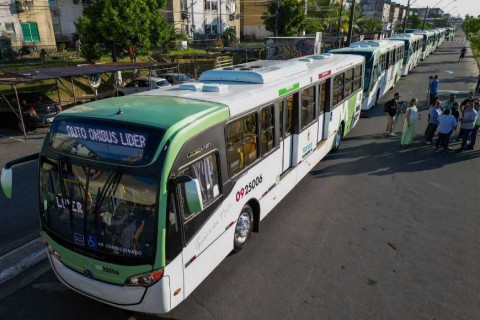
242,229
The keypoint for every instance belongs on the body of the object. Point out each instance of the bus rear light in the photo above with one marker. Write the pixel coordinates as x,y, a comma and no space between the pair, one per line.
145,279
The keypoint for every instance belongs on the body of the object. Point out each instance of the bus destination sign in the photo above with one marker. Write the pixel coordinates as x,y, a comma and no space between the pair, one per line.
114,136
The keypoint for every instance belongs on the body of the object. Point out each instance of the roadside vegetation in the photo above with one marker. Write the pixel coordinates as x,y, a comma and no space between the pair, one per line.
471,26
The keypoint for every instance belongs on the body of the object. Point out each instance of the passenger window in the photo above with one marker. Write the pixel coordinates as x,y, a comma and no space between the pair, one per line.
267,129
242,138
173,237
207,173
308,106
289,120
357,82
348,82
338,89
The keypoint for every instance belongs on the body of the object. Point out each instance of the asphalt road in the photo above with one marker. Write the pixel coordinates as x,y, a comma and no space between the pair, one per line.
373,232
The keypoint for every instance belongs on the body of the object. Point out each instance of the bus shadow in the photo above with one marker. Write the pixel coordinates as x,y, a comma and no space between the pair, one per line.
387,157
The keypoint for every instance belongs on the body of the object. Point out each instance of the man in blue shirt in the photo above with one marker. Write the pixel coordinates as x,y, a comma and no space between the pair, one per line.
433,114
434,89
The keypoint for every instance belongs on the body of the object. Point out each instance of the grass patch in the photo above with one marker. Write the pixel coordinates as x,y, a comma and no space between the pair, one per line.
475,42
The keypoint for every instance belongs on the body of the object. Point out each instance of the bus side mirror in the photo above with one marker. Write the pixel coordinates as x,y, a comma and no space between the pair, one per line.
193,193
6,182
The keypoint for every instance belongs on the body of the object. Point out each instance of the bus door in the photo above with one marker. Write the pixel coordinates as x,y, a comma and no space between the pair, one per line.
323,88
286,109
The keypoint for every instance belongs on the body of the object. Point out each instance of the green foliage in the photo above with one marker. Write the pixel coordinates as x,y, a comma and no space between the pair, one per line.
414,22
285,17
120,24
471,25
229,35
371,25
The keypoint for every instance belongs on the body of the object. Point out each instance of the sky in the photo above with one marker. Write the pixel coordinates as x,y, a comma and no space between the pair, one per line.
455,7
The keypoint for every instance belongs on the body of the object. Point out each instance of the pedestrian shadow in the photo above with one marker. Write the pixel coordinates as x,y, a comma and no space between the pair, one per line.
385,157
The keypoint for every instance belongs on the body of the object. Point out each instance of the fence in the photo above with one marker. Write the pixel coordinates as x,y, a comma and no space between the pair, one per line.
36,53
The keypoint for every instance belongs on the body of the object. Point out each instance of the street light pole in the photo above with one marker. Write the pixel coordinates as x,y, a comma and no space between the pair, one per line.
406,17
424,19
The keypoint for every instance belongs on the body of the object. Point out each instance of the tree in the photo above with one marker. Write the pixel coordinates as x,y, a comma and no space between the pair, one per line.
414,22
120,24
285,18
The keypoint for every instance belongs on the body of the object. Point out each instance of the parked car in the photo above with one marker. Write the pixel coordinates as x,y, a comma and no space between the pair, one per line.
142,84
174,78
38,110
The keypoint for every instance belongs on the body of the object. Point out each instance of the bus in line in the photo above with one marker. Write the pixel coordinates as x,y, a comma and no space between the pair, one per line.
428,43
413,48
142,196
383,66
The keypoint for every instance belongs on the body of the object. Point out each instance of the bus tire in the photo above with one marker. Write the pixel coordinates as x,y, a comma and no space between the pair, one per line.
338,138
243,228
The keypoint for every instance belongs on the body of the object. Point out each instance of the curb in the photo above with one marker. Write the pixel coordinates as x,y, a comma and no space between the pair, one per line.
19,260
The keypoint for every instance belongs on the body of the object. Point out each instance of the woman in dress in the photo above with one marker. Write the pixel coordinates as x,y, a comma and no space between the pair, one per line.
411,116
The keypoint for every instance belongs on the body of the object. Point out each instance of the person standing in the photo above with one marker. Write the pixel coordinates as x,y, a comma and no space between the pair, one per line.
434,89
468,124
411,117
462,54
433,114
446,124
450,102
473,138
454,111
391,107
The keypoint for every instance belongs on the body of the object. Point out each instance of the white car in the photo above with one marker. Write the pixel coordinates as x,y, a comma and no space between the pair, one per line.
142,84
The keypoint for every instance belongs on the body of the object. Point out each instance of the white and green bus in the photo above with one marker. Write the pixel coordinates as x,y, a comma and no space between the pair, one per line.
383,66
428,43
413,49
142,196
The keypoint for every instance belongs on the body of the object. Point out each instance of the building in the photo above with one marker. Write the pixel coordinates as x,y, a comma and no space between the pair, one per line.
64,15
432,12
201,19
377,9
27,23
252,23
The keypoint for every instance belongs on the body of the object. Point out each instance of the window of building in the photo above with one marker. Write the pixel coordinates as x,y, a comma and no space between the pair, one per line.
241,143
267,126
10,27
357,82
211,5
338,88
308,106
30,32
206,172
210,29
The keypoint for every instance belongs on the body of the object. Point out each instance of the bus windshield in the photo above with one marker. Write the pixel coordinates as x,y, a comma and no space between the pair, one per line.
105,212
369,57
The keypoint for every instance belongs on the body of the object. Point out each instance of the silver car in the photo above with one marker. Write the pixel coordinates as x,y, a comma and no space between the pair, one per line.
142,84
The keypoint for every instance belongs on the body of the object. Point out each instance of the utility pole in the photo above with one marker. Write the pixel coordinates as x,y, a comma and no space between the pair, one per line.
305,12
276,18
350,23
406,17
425,19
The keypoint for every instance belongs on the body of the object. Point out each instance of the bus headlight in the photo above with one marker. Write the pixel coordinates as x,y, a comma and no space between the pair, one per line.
145,279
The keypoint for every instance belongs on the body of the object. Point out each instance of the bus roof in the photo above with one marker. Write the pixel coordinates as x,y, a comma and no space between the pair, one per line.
369,46
408,36
249,85
155,111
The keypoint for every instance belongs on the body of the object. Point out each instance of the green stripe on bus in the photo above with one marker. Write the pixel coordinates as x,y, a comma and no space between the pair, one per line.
283,91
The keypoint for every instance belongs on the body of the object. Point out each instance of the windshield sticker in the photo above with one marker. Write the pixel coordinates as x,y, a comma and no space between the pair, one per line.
79,239
92,241
65,203
119,249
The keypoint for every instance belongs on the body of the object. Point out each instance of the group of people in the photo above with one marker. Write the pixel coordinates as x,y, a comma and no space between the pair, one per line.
443,119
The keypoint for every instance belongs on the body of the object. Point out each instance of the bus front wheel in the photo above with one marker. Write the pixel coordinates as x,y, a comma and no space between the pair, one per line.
243,228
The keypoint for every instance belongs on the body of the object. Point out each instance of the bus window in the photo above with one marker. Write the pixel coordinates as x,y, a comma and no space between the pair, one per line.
348,82
241,143
338,89
267,129
357,82
308,106
206,171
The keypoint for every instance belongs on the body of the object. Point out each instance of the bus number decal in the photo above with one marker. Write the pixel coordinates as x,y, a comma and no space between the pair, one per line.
248,187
